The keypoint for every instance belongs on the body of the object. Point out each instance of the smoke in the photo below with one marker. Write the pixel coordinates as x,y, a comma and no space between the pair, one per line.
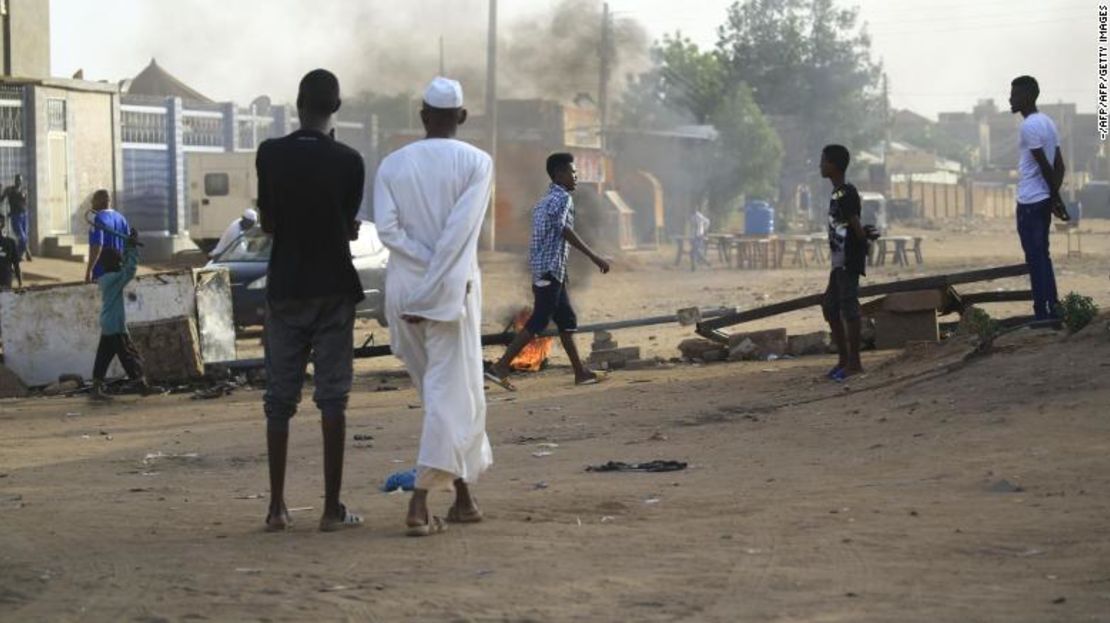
237,50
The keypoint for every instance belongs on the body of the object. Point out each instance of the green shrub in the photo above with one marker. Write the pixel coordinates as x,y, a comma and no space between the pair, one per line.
975,321
1077,311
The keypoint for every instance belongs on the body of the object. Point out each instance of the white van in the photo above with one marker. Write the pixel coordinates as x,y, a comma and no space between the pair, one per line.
221,186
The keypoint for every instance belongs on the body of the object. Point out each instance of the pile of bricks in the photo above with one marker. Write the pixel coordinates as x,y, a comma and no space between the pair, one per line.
606,354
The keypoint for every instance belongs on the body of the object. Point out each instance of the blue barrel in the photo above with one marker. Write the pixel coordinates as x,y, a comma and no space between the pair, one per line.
759,219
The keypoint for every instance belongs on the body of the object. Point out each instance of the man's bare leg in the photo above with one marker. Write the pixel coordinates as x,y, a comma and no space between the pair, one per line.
853,365
836,327
334,429
503,367
418,509
582,374
465,509
277,446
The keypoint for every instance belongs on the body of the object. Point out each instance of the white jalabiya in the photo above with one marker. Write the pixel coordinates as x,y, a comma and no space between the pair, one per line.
430,198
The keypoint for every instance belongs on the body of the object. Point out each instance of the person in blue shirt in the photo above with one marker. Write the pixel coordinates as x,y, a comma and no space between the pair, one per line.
101,236
117,271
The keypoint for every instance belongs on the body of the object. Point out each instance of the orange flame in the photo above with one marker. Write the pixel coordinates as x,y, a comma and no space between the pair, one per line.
532,358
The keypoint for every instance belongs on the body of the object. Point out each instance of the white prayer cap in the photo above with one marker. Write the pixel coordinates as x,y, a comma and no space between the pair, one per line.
250,214
444,93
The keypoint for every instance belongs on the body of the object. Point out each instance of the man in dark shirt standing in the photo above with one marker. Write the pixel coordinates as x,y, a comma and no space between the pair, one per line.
848,253
309,193
16,196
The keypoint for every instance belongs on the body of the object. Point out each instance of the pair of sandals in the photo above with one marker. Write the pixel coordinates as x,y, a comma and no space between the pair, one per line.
283,521
434,525
503,382
437,525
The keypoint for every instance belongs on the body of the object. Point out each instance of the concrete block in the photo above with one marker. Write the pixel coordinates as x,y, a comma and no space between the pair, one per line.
641,364
895,330
717,354
919,300
605,345
769,342
744,351
59,388
11,386
817,343
688,316
616,357
170,349
696,347
603,336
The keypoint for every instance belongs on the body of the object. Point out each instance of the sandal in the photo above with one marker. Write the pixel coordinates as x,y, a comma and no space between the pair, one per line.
349,520
435,525
456,516
590,380
503,383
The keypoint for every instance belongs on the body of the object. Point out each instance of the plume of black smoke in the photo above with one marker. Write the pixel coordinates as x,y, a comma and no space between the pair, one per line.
236,50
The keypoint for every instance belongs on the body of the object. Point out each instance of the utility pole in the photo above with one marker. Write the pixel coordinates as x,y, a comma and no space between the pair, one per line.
1070,164
442,64
489,229
603,83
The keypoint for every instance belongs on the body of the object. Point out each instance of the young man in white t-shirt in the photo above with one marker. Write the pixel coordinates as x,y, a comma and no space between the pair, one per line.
1038,191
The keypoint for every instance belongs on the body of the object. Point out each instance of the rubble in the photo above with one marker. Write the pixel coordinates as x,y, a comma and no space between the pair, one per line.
11,386
170,348
817,343
763,344
608,355
701,349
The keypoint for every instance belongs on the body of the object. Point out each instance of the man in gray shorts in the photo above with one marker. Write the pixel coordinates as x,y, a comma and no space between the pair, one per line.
309,193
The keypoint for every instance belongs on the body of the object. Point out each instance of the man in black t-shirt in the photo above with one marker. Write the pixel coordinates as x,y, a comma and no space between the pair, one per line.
309,193
848,240
16,196
9,259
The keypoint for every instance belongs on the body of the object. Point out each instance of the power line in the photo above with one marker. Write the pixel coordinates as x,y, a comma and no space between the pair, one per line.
977,27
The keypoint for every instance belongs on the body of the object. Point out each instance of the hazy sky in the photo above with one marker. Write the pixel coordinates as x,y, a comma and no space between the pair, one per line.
940,55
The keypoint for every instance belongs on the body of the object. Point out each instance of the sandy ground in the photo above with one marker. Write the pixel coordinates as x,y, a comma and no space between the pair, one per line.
803,501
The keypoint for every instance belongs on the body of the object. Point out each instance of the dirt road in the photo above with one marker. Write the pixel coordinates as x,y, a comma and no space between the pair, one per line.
929,490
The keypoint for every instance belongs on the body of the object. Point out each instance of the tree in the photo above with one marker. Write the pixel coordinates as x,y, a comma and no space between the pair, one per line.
750,152
688,86
809,60
684,85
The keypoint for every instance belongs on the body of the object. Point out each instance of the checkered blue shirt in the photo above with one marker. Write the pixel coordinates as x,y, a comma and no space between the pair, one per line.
548,248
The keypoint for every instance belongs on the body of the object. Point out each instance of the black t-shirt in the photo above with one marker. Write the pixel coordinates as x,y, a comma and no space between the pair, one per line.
844,249
17,199
309,192
9,259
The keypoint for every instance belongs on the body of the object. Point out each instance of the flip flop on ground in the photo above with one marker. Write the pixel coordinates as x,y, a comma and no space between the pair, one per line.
499,381
592,379
434,525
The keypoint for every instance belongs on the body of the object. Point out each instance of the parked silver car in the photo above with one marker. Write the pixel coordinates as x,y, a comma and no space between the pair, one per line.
248,257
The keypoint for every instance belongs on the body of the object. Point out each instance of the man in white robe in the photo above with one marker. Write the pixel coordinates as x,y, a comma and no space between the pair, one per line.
236,229
430,198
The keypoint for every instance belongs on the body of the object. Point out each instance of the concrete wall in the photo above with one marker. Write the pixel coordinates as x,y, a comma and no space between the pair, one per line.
30,44
52,331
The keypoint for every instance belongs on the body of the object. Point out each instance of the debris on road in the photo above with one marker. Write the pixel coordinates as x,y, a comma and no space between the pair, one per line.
650,466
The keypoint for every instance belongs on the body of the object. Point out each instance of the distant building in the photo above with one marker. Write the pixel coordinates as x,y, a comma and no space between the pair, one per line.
61,135
25,38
